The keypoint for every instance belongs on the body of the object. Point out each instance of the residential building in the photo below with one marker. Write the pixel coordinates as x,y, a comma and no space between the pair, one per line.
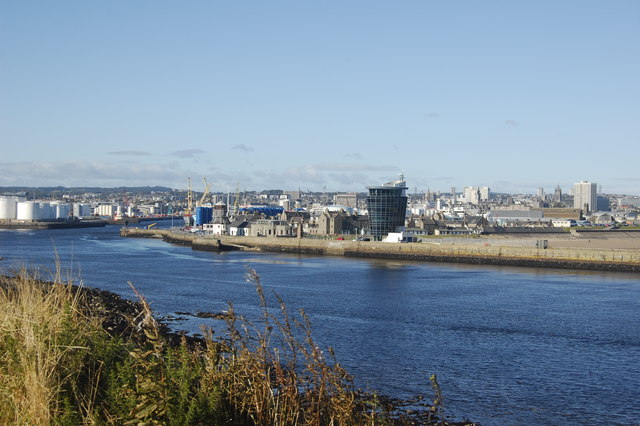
239,227
271,228
476,194
585,196
349,200
330,222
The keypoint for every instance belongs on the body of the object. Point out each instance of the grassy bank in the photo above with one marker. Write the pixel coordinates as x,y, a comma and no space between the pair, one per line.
67,356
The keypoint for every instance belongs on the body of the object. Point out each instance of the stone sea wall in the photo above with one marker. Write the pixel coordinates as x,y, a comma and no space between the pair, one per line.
455,252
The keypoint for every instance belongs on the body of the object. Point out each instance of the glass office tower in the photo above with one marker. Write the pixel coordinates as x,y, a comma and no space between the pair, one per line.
387,206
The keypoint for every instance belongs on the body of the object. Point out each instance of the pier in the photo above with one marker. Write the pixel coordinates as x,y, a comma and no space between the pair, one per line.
52,224
626,260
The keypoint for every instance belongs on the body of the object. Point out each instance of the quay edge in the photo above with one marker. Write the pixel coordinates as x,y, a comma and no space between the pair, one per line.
582,259
36,224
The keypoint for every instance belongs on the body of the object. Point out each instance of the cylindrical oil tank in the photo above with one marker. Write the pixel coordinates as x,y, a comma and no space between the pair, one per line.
204,215
26,210
81,210
53,206
46,211
63,211
52,210
8,208
199,214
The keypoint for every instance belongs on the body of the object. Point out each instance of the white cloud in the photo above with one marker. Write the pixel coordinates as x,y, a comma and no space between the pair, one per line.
187,153
353,167
84,173
353,156
339,176
133,153
242,147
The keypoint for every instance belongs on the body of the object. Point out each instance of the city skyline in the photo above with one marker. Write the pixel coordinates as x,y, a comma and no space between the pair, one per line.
333,95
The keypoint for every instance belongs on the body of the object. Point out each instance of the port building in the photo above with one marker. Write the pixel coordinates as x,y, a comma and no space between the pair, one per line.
387,205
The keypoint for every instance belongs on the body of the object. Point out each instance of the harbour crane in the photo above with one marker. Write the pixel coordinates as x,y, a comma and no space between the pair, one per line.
187,214
207,187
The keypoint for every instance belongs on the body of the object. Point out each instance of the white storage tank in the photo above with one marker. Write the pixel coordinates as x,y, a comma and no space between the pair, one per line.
63,211
53,206
105,210
8,208
46,211
81,210
26,210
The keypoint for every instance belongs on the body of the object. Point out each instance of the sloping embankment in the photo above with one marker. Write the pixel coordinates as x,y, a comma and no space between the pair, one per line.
574,258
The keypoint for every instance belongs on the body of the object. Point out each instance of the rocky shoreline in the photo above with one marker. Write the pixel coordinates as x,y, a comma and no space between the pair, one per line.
118,315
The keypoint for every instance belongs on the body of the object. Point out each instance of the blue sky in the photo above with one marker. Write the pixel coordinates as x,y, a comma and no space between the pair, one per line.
513,95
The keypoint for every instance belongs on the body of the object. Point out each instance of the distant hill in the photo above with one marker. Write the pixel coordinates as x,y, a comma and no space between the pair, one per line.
45,191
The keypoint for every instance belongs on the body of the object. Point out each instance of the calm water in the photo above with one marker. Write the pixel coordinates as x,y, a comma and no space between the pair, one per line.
509,345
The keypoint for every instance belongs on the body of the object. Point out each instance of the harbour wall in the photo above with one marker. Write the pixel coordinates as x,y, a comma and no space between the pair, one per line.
567,258
51,224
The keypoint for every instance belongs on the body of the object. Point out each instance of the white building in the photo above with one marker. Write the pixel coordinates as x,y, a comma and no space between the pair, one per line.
215,228
563,223
105,210
476,194
585,196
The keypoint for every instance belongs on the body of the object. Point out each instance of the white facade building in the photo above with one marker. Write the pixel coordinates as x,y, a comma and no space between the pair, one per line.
476,194
215,228
105,210
585,196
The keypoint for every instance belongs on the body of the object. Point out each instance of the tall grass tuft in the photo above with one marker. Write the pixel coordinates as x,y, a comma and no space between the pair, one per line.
42,352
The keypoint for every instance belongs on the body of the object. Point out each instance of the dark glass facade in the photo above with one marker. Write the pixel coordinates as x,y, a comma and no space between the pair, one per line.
387,206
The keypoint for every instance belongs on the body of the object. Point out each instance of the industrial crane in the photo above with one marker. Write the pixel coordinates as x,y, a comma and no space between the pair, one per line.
187,214
207,187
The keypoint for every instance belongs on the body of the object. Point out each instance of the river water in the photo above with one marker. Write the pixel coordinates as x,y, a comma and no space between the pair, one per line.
509,345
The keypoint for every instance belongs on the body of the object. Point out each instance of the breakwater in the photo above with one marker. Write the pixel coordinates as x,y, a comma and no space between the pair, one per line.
50,224
574,258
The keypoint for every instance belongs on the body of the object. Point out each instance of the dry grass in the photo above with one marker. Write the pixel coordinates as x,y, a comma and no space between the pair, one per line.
58,365
37,338
277,374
